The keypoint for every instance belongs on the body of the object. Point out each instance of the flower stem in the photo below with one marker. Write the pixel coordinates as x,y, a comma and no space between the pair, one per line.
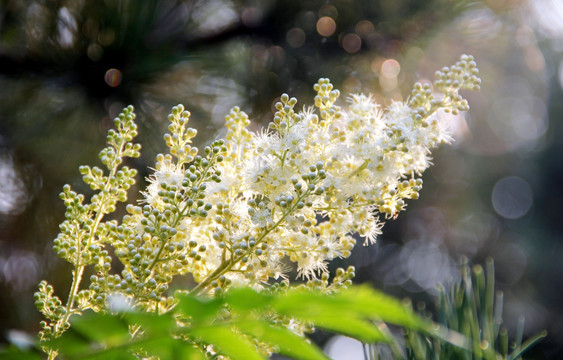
79,267
226,266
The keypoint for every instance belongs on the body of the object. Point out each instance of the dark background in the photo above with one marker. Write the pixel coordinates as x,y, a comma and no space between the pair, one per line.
68,67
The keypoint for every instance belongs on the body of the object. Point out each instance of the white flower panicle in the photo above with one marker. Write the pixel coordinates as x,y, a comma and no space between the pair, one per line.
258,205
300,190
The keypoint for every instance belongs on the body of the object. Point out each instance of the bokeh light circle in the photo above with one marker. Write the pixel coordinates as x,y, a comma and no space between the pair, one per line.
512,197
295,37
364,28
390,68
251,16
351,43
326,26
113,77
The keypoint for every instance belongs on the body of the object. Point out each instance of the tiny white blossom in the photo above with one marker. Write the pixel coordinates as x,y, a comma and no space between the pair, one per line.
262,217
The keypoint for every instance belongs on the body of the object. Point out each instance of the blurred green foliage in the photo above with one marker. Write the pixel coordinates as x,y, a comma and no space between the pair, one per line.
233,324
471,308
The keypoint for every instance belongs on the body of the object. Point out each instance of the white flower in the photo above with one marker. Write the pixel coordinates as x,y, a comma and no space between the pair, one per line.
151,196
265,142
168,173
294,140
262,217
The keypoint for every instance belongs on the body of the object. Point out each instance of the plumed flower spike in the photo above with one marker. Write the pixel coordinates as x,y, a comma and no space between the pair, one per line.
180,136
238,137
237,213
325,102
449,80
84,234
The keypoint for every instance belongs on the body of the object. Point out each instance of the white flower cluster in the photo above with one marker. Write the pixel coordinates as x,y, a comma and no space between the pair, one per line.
299,190
250,208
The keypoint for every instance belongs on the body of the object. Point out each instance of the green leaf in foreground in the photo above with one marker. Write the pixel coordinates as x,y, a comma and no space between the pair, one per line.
228,342
102,328
15,353
355,303
287,342
234,324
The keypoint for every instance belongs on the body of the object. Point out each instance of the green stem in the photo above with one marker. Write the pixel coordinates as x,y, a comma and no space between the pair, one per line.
52,354
160,250
79,269
225,267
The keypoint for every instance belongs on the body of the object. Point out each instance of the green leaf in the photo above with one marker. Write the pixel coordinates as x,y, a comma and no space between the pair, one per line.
528,344
165,347
112,353
348,325
245,299
106,337
359,301
227,342
287,342
150,322
103,328
15,353
305,303
347,312
374,304
70,343
199,309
